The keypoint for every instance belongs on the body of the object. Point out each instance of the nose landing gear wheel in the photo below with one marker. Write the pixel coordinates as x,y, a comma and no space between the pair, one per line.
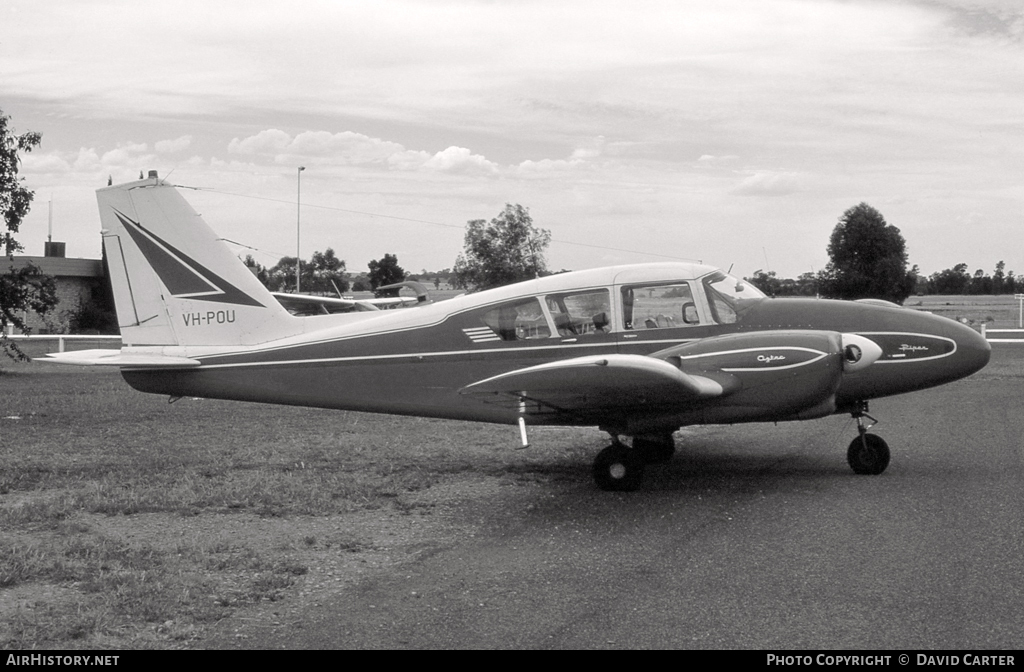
618,468
868,454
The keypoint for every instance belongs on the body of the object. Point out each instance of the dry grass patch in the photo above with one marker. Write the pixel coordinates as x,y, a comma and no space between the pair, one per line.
134,523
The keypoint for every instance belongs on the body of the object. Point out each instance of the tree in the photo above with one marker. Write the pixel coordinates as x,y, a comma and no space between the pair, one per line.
360,283
281,276
999,278
386,271
981,283
805,285
328,273
258,269
950,281
319,275
506,250
26,288
766,282
99,314
868,259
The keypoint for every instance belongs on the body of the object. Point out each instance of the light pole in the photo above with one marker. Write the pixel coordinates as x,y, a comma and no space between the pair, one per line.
298,230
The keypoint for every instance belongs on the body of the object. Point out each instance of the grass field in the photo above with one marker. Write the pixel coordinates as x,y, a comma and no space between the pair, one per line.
130,522
996,312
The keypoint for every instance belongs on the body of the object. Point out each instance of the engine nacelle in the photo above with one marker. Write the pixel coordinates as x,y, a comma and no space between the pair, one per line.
772,375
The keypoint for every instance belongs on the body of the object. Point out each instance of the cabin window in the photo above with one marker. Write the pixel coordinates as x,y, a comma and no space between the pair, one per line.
518,321
659,306
580,313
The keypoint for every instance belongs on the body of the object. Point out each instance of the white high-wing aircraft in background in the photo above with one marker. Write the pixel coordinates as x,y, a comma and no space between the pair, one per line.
638,351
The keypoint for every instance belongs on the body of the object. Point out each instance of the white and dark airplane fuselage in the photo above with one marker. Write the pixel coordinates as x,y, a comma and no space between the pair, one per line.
416,362
638,351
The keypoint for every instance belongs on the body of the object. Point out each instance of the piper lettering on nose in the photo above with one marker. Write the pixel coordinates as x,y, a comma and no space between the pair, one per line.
209,317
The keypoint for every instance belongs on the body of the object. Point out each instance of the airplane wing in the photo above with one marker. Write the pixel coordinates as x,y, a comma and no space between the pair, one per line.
116,358
422,296
304,304
593,385
392,302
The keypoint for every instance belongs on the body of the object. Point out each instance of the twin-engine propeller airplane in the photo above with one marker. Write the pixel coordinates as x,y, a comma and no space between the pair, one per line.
638,351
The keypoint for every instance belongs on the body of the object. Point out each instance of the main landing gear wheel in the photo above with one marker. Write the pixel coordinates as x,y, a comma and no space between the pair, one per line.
618,468
868,454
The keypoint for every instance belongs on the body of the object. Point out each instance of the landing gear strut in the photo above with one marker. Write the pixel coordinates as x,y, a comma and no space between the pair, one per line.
868,453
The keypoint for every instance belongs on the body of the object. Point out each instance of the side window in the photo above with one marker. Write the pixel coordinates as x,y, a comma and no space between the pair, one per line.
659,306
581,313
518,321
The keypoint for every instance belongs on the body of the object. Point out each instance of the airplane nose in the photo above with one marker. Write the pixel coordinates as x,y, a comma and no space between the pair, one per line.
972,350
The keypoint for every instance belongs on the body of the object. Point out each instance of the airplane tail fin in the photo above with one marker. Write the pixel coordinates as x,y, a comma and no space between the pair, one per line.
175,282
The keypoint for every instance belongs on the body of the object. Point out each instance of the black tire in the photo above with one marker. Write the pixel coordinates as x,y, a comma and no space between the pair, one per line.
618,469
868,455
655,450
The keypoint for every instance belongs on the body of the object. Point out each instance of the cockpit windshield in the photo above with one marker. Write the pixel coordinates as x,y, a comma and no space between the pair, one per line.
726,295
731,287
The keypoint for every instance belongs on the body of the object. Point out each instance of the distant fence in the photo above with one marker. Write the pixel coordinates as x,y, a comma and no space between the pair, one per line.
1019,333
44,343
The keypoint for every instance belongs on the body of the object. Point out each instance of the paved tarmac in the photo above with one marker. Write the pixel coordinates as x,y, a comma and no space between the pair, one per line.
754,536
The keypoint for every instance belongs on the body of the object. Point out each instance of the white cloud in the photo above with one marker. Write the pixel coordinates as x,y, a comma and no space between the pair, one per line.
270,141
547,166
171,146
124,154
343,149
44,163
591,150
408,159
355,149
456,160
768,183
460,160
712,159
347,147
86,160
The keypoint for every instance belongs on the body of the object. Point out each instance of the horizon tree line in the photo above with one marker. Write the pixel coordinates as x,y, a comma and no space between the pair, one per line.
955,281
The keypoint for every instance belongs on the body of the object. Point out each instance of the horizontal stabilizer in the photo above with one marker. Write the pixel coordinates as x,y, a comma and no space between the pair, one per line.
117,358
585,385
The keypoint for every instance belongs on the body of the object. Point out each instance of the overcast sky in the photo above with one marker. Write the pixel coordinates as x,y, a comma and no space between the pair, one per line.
732,132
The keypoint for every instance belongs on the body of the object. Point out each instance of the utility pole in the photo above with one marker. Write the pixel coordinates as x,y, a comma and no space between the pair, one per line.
298,228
